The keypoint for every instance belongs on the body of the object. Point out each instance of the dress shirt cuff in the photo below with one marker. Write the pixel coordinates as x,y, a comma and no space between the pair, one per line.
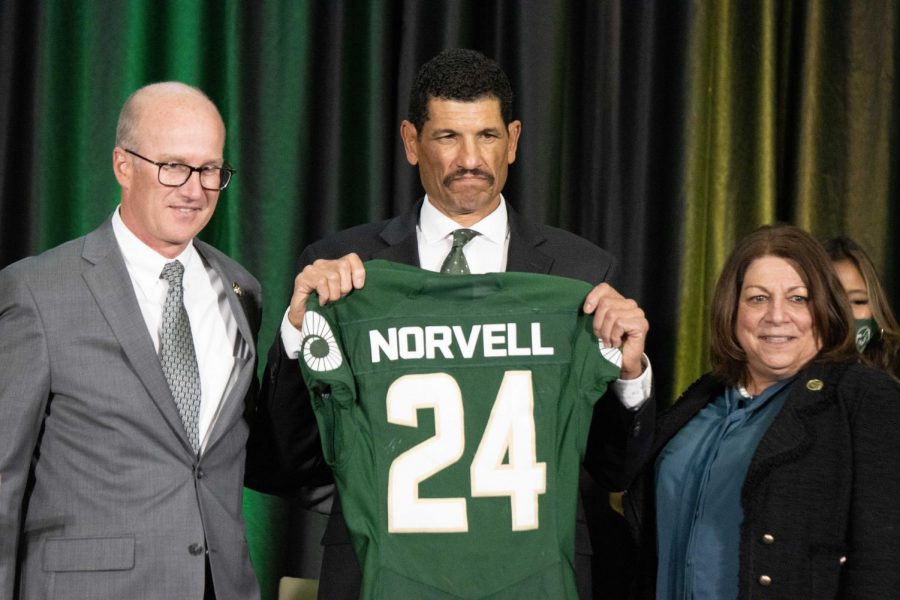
632,393
291,337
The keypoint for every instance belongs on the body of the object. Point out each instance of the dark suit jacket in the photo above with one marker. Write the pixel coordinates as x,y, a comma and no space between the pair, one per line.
285,425
821,517
102,495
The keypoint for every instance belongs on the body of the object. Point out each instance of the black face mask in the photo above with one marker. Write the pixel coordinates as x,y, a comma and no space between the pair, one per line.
866,331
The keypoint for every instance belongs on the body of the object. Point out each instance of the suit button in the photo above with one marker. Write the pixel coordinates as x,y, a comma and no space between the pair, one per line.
200,473
636,430
765,580
768,538
195,549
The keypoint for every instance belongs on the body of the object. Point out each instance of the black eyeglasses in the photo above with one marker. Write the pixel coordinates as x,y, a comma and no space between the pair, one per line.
173,174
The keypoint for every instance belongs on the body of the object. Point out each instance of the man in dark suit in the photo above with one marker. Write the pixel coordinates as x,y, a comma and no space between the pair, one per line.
461,136
126,357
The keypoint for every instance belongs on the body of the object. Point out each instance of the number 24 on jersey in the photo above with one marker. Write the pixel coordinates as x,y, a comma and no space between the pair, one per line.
509,433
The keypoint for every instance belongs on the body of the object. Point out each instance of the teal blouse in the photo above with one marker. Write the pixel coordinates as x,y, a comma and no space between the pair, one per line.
699,476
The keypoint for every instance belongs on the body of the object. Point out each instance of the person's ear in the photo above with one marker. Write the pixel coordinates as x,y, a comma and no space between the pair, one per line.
410,138
123,167
514,129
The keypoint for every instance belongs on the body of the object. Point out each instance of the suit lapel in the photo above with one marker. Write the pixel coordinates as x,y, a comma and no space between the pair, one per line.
111,286
400,236
232,406
524,239
232,287
788,436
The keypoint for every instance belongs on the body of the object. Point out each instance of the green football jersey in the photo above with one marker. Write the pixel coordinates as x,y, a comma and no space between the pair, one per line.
454,411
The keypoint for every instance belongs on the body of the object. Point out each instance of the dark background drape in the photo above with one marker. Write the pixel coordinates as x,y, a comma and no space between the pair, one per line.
661,130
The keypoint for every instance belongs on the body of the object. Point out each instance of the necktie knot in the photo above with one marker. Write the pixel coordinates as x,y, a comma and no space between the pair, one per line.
461,237
173,272
455,263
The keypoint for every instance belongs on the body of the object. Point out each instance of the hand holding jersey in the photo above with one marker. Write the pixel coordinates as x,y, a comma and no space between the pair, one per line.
619,323
329,279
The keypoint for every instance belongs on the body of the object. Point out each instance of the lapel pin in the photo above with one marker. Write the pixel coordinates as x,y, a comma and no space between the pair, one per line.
814,385
237,289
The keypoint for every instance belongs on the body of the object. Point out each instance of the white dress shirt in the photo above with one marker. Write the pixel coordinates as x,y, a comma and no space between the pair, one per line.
485,253
213,326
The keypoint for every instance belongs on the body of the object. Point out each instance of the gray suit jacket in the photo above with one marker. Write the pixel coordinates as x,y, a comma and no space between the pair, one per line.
101,495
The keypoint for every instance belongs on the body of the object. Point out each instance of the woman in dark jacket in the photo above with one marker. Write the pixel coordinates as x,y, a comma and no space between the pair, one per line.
777,475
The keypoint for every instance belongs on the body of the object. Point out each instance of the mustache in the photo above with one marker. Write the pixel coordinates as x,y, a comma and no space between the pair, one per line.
459,173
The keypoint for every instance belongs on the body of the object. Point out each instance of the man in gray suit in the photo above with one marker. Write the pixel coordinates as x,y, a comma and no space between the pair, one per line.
461,136
125,360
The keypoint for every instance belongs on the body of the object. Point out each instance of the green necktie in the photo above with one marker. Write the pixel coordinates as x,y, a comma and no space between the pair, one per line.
455,263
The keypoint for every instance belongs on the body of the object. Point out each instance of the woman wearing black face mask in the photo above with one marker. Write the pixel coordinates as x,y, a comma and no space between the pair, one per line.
877,331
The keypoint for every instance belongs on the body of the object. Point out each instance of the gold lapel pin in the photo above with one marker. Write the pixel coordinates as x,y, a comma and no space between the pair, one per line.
814,385
237,289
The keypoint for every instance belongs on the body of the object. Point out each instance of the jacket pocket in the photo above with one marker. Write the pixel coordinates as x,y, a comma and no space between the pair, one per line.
89,554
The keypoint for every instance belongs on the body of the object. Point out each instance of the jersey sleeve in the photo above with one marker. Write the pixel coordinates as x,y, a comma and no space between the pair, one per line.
328,376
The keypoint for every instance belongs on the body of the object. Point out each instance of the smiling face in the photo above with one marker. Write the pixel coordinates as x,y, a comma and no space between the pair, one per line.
463,153
174,124
853,283
774,325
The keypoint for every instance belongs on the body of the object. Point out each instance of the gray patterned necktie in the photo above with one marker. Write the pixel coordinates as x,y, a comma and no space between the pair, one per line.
455,263
176,353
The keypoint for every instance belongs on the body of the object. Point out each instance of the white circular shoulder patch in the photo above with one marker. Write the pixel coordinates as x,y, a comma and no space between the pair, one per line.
319,348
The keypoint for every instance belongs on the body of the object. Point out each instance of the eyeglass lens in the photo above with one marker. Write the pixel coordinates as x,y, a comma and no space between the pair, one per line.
211,178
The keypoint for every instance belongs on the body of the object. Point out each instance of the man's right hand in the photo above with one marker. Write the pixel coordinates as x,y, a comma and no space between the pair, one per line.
331,279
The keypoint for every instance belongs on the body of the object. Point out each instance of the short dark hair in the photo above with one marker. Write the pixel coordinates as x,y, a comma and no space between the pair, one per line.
461,75
828,304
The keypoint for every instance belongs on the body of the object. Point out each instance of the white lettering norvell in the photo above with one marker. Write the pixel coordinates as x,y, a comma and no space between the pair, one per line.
496,340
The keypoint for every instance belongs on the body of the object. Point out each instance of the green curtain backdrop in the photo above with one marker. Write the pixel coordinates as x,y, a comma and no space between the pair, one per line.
661,130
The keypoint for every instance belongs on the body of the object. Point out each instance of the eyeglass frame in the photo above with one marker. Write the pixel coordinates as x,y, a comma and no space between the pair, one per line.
200,170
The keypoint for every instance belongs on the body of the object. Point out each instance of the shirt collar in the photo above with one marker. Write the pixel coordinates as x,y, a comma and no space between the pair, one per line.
143,262
435,225
738,396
